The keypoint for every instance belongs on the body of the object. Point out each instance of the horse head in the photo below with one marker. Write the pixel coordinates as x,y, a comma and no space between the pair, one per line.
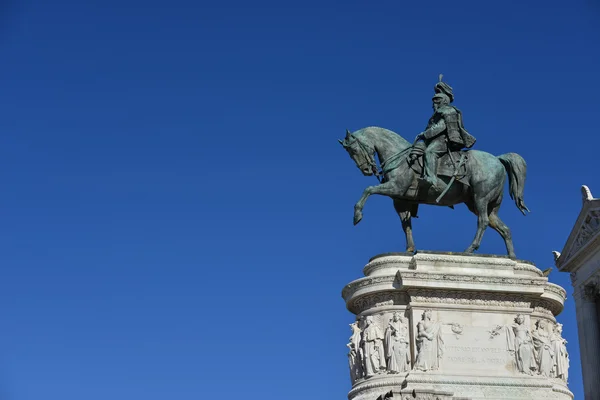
360,152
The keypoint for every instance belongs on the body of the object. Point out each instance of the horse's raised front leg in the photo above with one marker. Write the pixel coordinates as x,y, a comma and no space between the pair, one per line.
405,212
385,189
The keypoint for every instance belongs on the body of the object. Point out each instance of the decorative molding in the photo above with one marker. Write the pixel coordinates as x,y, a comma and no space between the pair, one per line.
427,276
360,283
387,262
554,307
529,268
379,299
468,298
464,259
554,288
591,248
544,311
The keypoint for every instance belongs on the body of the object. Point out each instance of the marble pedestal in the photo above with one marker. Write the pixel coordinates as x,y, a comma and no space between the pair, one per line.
466,327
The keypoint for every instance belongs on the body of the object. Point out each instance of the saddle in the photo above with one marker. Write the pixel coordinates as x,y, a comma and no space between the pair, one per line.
447,167
451,165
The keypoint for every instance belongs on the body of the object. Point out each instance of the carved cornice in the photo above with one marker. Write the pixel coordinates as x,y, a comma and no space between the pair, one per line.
428,276
553,307
583,253
387,262
468,298
379,299
529,268
360,283
464,259
558,290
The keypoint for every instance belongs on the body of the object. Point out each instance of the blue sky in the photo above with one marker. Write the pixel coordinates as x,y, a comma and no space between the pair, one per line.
177,212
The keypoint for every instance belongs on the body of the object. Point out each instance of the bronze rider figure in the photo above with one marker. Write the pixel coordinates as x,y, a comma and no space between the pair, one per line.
445,131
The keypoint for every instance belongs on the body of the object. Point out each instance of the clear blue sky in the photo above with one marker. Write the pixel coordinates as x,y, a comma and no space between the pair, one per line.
176,212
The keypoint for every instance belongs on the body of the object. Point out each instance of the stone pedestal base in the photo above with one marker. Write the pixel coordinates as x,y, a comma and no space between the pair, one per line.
455,326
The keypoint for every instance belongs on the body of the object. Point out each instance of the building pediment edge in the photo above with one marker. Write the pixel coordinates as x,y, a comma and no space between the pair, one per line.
584,238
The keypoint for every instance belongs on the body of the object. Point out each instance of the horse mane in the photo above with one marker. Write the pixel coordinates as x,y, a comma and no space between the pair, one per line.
391,135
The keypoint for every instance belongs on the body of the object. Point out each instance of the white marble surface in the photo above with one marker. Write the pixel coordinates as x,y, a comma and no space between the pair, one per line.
461,311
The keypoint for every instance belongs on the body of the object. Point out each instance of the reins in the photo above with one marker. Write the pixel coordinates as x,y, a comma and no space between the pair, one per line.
387,166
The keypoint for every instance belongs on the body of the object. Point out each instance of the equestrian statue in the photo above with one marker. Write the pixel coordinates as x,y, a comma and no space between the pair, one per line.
438,168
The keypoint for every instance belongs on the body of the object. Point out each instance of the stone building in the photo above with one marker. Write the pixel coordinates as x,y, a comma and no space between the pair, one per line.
581,258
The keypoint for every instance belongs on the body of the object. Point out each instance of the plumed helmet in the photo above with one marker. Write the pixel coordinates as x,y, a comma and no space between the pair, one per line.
443,88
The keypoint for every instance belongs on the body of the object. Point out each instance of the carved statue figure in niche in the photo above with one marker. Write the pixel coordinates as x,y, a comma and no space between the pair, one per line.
560,369
355,355
520,344
544,355
430,345
373,352
396,345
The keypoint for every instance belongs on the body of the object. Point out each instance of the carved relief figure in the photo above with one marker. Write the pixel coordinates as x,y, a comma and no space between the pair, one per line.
561,357
396,345
355,354
430,345
519,342
544,355
374,357
590,226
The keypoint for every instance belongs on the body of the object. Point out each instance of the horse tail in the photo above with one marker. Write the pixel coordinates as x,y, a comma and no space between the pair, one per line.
516,168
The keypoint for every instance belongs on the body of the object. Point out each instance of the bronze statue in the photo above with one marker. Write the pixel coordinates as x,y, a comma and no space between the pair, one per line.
473,177
445,131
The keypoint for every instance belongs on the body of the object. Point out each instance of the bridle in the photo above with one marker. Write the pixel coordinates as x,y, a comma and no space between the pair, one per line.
367,153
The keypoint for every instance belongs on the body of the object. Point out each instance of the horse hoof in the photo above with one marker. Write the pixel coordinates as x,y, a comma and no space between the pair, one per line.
357,218
469,250
410,249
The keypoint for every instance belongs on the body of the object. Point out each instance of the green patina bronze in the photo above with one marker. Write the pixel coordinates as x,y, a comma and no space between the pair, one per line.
438,169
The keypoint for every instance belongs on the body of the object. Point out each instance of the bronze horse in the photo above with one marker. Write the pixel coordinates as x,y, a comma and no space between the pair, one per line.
481,189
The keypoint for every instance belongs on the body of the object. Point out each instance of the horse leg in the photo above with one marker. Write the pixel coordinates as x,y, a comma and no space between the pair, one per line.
385,189
479,207
405,212
500,227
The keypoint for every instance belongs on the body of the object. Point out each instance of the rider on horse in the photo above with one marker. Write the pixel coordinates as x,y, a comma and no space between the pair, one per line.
445,131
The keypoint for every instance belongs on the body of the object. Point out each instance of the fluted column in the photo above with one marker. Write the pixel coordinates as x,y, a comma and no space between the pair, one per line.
589,327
